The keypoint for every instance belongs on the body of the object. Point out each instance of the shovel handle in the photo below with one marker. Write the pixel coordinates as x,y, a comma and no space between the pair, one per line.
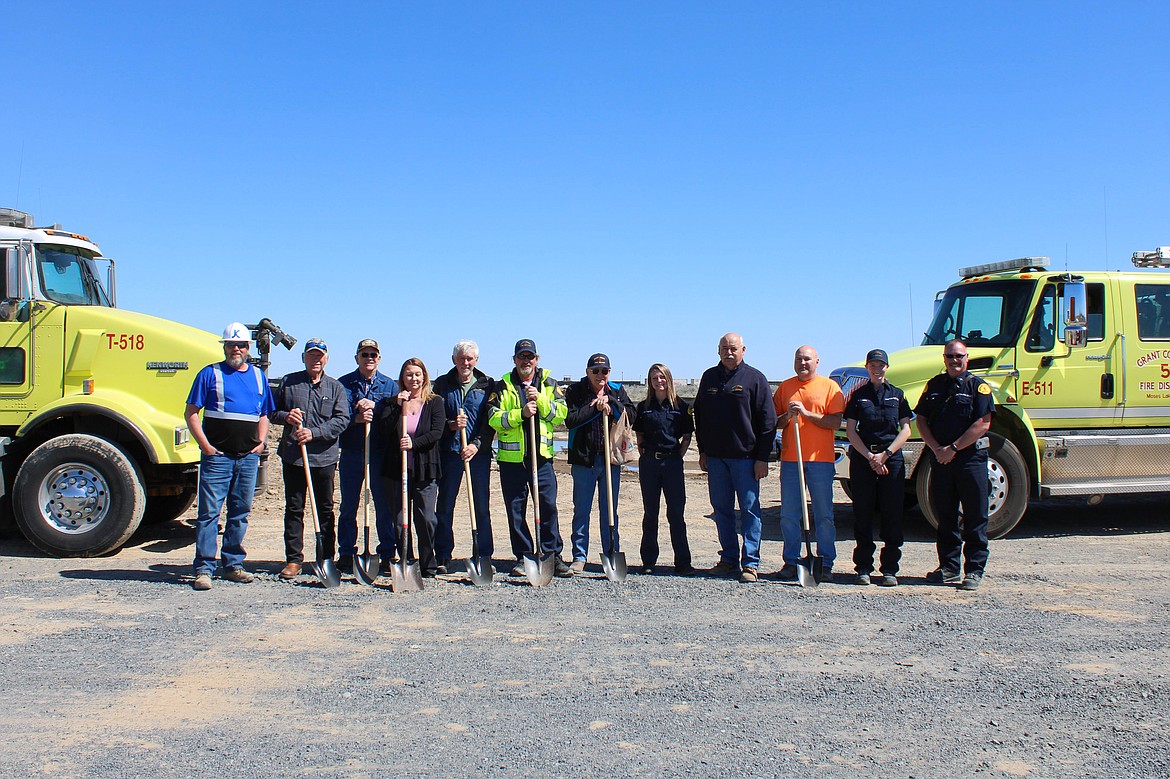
366,479
608,472
800,476
535,487
467,480
312,500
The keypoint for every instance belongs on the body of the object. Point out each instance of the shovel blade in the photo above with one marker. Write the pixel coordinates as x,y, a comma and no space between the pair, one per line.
614,566
480,571
327,573
365,568
538,569
405,577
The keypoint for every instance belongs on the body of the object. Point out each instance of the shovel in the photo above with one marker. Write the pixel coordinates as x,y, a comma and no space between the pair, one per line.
538,567
365,565
478,568
614,563
808,568
323,567
405,575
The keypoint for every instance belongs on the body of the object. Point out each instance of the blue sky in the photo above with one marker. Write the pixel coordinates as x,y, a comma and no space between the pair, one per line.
633,178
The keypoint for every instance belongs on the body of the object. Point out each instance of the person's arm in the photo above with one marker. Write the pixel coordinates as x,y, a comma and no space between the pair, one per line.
195,425
262,434
338,419
579,408
764,422
426,439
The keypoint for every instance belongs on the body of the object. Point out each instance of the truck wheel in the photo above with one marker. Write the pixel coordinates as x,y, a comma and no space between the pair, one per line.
164,508
78,496
1007,495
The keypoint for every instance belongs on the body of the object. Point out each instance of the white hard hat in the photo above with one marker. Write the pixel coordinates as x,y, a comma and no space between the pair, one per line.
236,332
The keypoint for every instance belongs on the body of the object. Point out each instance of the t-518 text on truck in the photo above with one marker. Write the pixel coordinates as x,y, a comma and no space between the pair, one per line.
1079,364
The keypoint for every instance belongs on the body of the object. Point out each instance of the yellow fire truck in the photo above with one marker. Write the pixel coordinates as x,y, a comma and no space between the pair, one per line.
1079,364
92,436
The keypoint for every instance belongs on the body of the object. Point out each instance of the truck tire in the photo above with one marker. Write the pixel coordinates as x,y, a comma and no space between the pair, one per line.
1007,495
164,508
78,496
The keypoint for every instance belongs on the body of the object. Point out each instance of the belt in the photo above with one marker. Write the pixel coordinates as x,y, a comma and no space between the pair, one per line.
878,448
665,455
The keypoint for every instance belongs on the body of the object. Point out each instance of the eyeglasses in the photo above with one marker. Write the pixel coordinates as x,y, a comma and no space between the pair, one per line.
599,371
236,344
369,355
955,356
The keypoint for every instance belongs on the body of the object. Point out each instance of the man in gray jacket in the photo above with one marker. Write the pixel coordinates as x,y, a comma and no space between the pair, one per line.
314,410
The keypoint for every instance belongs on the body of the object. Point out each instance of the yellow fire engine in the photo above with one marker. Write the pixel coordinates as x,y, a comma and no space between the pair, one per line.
1079,364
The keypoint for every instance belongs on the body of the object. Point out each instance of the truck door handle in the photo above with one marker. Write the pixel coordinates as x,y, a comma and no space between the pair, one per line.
1106,386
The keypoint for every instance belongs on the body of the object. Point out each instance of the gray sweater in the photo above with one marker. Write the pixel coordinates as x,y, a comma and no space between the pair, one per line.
326,414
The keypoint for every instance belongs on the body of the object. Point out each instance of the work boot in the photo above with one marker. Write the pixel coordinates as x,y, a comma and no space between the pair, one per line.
725,568
749,575
888,580
202,582
826,576
345,564
685,570
944,576
577,567
972,581
787,573
290,571
561,569
238,575
862,579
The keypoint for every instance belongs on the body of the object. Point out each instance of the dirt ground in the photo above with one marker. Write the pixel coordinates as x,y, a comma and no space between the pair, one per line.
1056,667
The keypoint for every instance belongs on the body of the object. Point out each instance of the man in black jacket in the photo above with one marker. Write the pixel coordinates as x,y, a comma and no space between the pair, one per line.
592,402
735,427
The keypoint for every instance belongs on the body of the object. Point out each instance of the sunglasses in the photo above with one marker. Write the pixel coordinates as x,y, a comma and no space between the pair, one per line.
526,356
236,344
369,355
955,356
599,371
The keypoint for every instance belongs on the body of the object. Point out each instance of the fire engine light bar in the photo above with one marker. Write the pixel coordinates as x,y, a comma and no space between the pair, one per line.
10,217
1158,258
996,267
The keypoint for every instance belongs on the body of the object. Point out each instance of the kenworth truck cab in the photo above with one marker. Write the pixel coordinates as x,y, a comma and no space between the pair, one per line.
1079,365
92,436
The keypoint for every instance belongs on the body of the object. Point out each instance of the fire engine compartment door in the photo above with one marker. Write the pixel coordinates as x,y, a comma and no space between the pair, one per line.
1065,388
1147,369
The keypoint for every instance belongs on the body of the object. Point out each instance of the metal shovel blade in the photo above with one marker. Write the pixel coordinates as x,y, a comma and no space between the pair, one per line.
614,566
538,569
804,574
405,577
365,568
480,571
326,571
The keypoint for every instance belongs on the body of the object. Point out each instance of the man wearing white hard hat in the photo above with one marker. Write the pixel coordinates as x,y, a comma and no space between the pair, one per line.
235,401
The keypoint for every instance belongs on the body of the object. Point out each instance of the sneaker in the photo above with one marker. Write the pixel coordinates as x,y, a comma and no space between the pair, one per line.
888,580
518,568
202,582
787,573
238,575
685,570
345,564
561,569
646,570
862,579
577,567
826,576
972,581
944,576
749,575
724,568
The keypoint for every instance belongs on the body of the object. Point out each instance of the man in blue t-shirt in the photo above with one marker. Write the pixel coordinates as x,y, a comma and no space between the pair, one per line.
235,400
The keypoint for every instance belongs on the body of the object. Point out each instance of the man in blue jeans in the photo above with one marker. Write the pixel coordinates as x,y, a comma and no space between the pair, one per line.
735,427
235,400
365,389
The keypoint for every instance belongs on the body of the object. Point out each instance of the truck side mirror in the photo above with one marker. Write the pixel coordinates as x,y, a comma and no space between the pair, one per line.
1074,309
9,284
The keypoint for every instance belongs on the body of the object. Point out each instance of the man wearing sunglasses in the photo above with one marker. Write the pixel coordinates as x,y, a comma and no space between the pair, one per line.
365,389
528,395
235,400
954,415
593,402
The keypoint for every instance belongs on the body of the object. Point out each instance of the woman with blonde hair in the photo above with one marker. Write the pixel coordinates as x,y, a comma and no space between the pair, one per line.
415,418
664,427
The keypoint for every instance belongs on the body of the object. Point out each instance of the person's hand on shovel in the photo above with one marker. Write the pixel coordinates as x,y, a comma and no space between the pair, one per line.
469,450
364,409
302,434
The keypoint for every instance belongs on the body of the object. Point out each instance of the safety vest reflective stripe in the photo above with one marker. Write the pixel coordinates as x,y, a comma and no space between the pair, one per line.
215,410
512,446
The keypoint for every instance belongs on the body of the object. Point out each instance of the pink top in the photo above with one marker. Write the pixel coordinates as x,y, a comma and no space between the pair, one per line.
411,426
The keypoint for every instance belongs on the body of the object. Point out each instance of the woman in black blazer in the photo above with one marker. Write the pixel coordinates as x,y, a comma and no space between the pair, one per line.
425,420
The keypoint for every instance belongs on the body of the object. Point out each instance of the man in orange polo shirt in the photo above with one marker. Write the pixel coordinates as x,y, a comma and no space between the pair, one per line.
816,404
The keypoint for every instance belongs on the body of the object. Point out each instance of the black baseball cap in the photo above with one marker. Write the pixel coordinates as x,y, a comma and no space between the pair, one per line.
524,345
878,354
598,360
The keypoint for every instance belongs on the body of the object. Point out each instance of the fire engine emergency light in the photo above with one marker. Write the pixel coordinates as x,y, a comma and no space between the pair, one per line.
995,267
1158,258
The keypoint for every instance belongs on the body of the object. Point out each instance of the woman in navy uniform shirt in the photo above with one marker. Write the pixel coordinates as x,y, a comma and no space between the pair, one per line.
664,426
878,425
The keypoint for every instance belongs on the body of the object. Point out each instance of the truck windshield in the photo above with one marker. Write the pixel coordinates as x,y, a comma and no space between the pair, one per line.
69,275
985,314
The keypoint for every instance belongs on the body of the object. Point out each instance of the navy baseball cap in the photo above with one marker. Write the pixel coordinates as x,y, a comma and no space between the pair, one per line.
598,360
524,345
316,343
878,354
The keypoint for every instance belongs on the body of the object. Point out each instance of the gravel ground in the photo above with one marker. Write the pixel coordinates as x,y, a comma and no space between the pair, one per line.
1057,667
